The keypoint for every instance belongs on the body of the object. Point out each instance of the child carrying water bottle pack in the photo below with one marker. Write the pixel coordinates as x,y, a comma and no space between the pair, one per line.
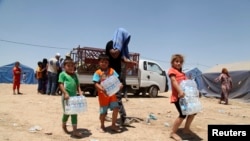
69,85
177,76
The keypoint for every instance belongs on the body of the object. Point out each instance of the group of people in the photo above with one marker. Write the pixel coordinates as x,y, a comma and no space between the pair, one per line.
53,73
41,75
110,65
47,74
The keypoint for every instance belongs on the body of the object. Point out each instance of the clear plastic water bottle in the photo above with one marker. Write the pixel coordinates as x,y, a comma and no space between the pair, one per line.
191,109
84,103
183,105
79,104
187,91
191,91
67,107
75,105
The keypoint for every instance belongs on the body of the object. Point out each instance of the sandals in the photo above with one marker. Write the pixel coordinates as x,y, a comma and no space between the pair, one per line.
116,129
102,130
175,137
76,135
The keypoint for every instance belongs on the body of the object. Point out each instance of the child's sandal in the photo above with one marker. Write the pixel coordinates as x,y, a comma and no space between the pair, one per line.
76,135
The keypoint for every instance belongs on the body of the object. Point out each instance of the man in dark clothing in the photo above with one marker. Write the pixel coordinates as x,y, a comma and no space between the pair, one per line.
115,63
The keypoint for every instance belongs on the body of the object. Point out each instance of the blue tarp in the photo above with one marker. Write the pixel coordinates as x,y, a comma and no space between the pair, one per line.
196,75
28,74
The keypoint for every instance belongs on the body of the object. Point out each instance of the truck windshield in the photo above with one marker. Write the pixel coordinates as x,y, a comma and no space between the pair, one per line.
154,67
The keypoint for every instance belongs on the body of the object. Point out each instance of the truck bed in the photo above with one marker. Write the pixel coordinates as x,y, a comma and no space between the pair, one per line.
86,60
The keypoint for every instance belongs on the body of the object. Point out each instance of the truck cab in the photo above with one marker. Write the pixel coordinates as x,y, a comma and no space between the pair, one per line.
151,79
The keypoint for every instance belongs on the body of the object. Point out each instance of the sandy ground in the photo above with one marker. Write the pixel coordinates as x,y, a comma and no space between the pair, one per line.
36,117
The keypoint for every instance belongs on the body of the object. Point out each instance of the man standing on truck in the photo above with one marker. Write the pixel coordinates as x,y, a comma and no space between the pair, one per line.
117,50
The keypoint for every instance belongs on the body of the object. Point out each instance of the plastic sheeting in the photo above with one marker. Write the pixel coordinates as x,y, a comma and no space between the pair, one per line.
241,85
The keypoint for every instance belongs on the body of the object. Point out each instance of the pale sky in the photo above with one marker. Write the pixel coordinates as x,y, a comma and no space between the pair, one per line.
206,32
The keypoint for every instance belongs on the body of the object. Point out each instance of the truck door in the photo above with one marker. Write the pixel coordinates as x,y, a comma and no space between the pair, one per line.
156,75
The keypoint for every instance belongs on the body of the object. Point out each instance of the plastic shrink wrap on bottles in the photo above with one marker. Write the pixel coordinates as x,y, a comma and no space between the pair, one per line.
75,105
111,85
190,104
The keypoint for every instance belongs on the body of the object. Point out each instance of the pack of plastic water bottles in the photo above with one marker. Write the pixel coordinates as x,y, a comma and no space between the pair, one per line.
111,85
75,105
190,104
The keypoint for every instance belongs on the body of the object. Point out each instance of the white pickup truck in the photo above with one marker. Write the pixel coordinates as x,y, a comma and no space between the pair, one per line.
147,77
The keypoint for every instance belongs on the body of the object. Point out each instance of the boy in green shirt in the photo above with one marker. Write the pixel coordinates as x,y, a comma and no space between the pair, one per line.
69,85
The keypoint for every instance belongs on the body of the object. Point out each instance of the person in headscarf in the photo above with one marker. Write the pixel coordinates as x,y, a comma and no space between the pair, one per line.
226,85
121,40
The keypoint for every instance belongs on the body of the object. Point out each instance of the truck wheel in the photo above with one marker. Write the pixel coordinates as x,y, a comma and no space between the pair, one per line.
153,91
93,92
137,93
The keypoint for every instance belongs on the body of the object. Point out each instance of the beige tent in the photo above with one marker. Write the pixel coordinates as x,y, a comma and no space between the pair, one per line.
230,67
